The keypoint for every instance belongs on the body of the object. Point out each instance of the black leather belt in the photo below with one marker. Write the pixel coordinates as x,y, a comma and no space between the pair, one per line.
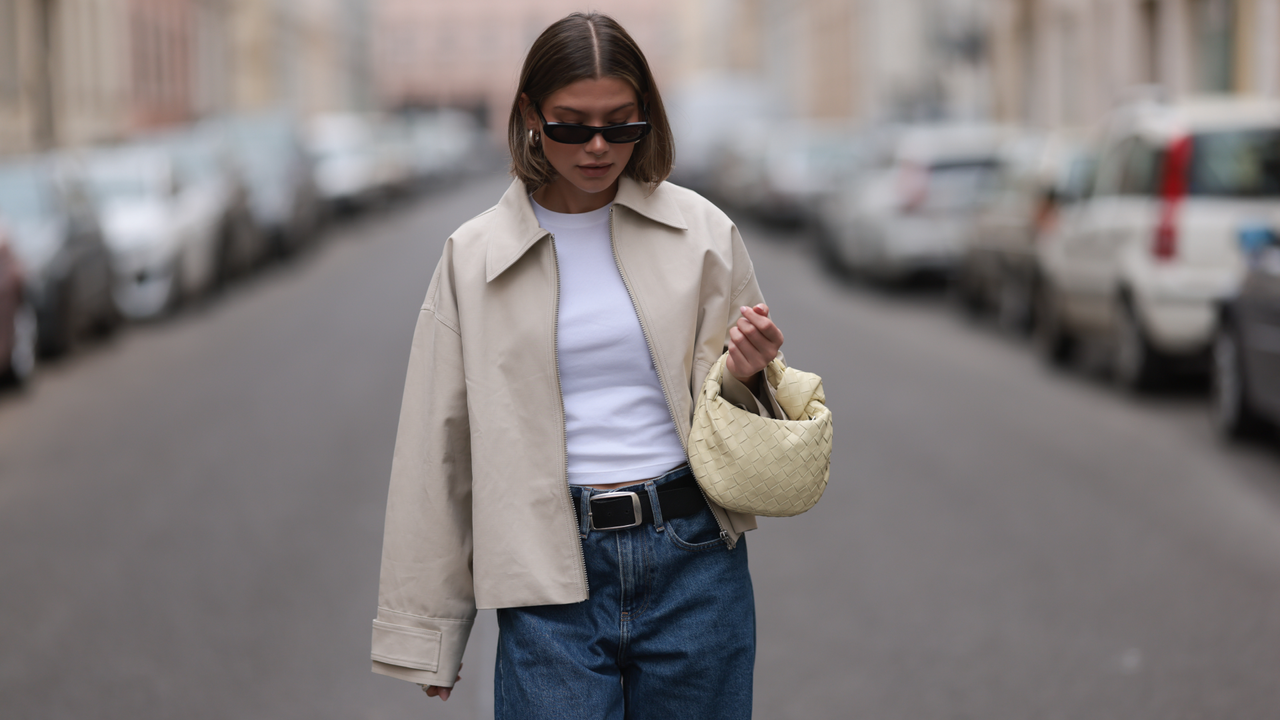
626,509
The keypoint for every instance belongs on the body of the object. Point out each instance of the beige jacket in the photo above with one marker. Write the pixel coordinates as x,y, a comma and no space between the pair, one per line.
478,513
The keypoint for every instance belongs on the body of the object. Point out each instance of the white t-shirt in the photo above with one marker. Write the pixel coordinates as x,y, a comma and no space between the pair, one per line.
617,422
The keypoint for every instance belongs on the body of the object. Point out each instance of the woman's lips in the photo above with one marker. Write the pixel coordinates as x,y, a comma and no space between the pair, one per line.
595,170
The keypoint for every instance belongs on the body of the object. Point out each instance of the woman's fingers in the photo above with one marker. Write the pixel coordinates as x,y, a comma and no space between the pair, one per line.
744,359
443,692
764,341
754,356
737,366
754,341
755,323
751,336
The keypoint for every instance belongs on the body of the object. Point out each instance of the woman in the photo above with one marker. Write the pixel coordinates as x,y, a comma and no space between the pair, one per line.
540,464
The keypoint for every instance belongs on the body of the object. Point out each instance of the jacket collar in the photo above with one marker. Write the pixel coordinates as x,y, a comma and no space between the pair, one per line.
520,229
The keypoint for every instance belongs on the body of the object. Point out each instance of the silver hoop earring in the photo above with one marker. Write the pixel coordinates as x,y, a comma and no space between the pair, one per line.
534,136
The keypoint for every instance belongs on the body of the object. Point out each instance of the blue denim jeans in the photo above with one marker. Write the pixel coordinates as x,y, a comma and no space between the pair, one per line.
668,632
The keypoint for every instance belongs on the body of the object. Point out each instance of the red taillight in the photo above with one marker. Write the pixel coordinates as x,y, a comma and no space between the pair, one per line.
1166,241
1173,187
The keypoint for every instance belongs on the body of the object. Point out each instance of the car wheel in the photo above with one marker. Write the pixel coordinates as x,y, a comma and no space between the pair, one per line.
1233,417
1134,364
966,293
61,336
22,358
178,295
1013,307
108,318
827,252
1053,340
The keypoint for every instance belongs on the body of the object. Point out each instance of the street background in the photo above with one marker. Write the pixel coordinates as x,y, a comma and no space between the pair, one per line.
191,502
192,516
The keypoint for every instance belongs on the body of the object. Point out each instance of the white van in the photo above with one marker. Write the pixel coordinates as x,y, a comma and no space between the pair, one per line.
1143,260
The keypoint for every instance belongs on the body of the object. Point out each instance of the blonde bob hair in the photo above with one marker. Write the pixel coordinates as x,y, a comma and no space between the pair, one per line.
587,47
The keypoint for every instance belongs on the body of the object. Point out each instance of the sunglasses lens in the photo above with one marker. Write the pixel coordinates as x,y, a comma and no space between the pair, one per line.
628,134
568,134
579,134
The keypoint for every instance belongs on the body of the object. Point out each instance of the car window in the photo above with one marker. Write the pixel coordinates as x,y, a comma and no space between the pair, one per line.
959,185
24,195
197,160
116,181
1141,162
1237,163
1074,182
1111,168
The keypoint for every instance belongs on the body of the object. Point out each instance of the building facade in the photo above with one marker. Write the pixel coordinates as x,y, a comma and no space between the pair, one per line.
25,108
80,72
853,60
469,54
1065,62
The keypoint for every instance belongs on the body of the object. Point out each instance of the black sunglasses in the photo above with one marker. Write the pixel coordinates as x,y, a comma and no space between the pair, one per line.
575,134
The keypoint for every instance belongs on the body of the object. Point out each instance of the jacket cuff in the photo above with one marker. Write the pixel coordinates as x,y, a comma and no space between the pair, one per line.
763,404
419,649
768,396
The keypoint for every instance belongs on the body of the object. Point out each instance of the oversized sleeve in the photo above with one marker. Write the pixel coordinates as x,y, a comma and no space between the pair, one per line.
426,599
746,292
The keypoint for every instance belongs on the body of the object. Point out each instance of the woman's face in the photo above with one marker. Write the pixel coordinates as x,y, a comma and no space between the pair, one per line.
595,166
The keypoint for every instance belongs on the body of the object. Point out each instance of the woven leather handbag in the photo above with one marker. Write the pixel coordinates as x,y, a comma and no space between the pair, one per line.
759,465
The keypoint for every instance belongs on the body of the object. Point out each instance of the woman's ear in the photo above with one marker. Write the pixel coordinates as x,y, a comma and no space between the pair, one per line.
526,109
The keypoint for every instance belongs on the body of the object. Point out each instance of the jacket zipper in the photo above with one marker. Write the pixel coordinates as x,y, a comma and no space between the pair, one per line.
564,435
657,368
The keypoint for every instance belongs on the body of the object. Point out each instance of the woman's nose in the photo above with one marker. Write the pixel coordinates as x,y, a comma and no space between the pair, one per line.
596,145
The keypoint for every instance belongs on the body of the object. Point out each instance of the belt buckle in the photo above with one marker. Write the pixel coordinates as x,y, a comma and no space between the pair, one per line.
635,508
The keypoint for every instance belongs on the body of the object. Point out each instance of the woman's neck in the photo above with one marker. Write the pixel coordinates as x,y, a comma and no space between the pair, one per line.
561,196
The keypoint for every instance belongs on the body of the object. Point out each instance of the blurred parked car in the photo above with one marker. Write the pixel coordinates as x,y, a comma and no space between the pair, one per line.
397,165
54,232
1246,351
213,199
279,175
349,160
780,171
998,269
1145,259
705,112
17,320
910,214
444,143
156,242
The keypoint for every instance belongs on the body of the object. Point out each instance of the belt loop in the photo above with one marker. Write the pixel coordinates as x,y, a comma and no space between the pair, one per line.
651,487
584,507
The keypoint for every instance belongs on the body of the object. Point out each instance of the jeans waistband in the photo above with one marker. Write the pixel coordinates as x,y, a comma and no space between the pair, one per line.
582,495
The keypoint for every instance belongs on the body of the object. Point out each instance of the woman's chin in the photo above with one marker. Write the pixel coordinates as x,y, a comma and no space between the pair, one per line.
594,184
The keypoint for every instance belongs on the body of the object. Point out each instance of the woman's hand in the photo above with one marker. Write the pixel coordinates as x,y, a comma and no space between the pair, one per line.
441,692
754,342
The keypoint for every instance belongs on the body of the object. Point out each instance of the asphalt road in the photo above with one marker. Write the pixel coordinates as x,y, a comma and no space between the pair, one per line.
191,516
